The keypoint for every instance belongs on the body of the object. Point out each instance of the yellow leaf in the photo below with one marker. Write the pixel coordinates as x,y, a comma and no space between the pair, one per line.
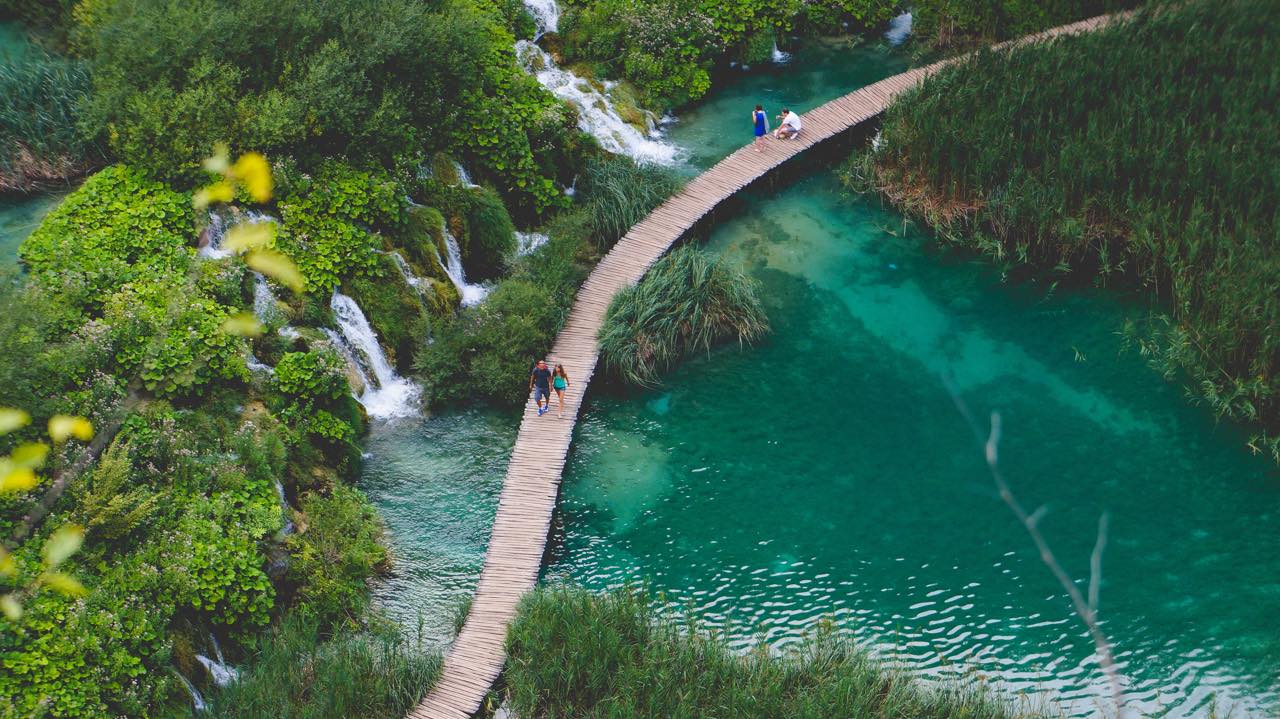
276,266
62,426
11,608
31,454
16,479
253,171
215,193
8,567
249,236
64,583
61,544
220,161
11,419
243,324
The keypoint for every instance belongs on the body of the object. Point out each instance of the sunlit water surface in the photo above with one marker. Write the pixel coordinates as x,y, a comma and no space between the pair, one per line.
828,473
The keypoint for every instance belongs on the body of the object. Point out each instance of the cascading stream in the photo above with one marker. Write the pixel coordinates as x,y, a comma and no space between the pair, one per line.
471,294
386,395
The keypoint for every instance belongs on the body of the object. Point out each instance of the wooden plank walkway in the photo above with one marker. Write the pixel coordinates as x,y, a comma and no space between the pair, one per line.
529,494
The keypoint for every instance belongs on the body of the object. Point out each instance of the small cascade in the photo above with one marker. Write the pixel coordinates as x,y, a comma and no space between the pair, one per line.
464,177
264,300
527,242
780,57
546,15
386,394
899,29
596,114
256,365
217,230
405,270
288,527
221,673
470,294
197,701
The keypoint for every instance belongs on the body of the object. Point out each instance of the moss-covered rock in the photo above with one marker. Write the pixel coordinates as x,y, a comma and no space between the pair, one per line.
489,238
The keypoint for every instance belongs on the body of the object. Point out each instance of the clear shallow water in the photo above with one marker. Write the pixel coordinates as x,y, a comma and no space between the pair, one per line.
436,483
827,473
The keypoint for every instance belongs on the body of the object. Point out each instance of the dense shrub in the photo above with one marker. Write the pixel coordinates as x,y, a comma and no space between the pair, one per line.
298,78
1131,155
490,237
117,227
339,549
688,302
575,654
303,672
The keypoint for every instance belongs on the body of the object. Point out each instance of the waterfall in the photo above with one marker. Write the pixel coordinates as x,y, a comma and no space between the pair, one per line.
386,395
596,114
288,527
219,671
264,300
256,365
546,15
899,29
218,227
464,177
405,270
527,242
197,701
470,294
780,57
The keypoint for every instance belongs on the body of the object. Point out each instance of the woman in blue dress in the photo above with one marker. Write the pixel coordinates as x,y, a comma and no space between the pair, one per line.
761,123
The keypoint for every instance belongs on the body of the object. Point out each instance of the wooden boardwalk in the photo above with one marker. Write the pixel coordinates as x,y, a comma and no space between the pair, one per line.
529,494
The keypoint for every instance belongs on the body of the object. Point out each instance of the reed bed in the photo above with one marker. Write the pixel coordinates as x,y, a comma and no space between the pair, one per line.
617,193
300,674
688,302
40,97
1142,155
574,654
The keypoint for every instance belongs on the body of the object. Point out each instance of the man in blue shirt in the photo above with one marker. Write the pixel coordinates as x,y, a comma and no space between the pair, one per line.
540,383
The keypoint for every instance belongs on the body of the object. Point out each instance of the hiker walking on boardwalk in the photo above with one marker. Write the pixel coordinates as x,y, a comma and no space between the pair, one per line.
760,122
560,382
540,383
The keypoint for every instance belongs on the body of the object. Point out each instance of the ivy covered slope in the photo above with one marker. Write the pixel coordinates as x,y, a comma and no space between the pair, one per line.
1139,155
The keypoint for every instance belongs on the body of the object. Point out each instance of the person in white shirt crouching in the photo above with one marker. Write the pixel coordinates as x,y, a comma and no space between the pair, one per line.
790,126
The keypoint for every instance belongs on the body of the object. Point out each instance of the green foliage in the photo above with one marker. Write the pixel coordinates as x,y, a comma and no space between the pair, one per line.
106,505
1133,156
946,24
576,654
313,376
299,78
173,340
118,227
490,238
669,49
688,302
337,551
40,98
617,193
302,673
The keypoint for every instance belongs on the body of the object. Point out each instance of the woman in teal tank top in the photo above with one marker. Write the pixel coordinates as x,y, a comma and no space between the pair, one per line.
560,382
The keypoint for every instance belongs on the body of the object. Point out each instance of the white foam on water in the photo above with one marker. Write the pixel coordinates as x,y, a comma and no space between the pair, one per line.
221,672
597,115
218,227
464,177
546,15
197,701
387,395
899,29
780,57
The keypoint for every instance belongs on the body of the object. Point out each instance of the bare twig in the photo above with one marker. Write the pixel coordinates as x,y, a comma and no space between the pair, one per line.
1086,609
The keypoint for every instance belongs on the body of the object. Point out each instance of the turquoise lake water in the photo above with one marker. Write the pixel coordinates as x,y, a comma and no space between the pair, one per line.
828,473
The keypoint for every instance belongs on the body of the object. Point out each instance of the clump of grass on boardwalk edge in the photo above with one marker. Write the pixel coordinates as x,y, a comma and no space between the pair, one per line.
688,302
1140,154
617,193
572,653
